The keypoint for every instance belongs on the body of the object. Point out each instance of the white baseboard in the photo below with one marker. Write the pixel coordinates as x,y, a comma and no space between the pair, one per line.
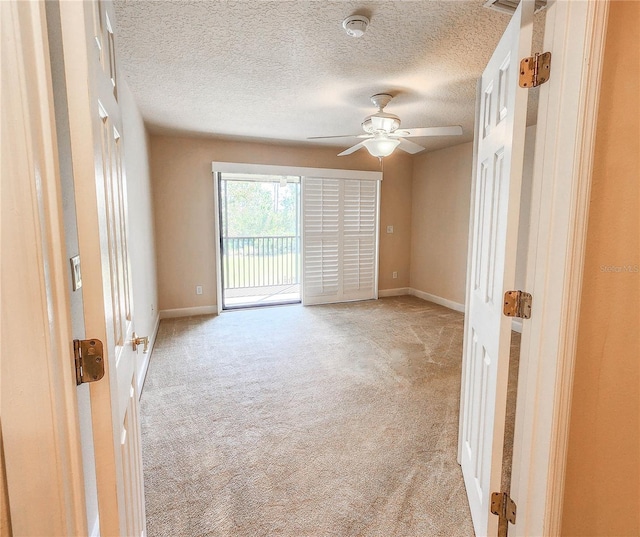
400,291
438,300
516,324
188,312
95,528
147,357
152,339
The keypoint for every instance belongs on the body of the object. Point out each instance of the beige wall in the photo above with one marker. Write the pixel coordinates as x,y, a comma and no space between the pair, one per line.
425,198
184,211
395,210
142,252
602,494
440,211
441,196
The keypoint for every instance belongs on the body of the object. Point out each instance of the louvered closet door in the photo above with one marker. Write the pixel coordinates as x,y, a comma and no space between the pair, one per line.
340,222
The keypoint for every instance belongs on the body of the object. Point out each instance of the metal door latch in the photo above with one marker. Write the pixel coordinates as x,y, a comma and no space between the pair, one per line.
143,340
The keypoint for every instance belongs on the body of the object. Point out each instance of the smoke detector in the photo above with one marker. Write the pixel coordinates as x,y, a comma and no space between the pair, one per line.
356,25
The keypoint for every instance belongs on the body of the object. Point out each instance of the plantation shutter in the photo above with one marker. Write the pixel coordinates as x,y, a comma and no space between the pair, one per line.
340,228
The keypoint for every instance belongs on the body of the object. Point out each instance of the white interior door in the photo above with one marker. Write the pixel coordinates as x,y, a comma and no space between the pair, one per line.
96,146
500,133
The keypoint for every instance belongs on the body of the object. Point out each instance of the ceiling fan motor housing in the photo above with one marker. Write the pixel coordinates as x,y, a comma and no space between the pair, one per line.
381,122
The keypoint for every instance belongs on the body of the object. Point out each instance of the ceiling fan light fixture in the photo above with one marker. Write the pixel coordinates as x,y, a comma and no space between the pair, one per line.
381,146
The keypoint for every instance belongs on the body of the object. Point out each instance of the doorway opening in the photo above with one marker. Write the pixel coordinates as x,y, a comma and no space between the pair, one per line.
260,241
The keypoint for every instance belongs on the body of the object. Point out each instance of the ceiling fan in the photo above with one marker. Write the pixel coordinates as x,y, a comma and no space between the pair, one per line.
383,134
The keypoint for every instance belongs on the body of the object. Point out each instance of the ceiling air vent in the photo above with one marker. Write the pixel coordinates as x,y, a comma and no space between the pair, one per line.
509,6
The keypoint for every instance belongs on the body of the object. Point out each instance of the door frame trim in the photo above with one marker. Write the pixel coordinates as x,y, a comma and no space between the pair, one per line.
40,424
217,237
575,33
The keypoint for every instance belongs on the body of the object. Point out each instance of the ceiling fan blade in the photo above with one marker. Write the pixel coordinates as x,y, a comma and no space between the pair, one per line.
352,149
454,130
340,136
410,147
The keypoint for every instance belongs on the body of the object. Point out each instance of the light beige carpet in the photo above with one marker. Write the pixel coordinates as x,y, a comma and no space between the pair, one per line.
319,421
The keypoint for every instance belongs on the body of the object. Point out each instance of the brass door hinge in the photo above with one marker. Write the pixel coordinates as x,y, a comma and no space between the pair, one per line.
535,70
89,360
503,506
517,304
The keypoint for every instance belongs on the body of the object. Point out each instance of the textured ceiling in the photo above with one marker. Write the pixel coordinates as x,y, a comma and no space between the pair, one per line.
285,70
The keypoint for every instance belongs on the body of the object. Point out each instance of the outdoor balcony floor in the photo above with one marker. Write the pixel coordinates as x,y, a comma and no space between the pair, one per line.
261,296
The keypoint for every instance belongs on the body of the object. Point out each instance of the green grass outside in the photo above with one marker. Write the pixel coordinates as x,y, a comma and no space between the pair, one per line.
252,270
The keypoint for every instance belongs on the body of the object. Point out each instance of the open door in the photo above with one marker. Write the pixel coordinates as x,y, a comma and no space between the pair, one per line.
500,134
95,126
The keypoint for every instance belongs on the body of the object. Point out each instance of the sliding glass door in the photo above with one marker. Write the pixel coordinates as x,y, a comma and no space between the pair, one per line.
259,239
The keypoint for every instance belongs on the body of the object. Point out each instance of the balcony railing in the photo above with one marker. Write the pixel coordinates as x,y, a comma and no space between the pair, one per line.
260,261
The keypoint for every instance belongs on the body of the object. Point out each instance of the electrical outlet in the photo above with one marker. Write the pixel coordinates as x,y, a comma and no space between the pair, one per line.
389,229
198,289
394,275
